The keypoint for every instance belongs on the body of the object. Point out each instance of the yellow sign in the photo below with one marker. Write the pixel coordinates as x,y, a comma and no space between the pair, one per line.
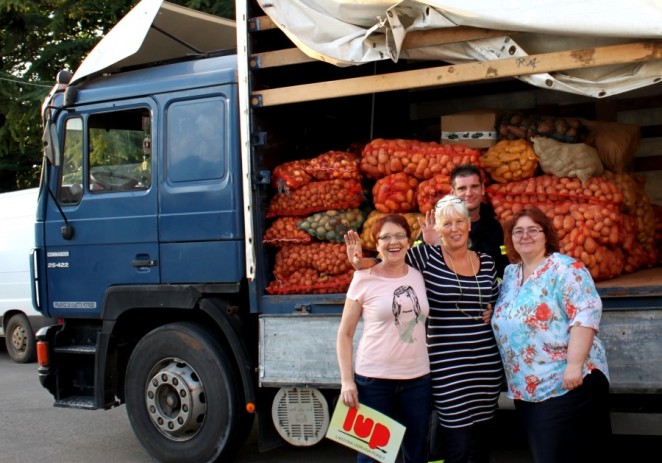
367,431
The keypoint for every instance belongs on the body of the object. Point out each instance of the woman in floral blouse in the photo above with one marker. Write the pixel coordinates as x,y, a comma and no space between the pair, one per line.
545,322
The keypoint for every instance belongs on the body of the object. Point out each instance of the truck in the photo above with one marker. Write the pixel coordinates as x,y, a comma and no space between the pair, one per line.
19,321
160,154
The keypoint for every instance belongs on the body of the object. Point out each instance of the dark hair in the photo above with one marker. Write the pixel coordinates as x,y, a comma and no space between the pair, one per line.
465,170
389,218
540,219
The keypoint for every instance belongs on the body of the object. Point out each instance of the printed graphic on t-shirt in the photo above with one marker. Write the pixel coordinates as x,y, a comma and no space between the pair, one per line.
406,312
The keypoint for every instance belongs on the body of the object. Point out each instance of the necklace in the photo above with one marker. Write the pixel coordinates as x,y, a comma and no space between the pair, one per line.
480,293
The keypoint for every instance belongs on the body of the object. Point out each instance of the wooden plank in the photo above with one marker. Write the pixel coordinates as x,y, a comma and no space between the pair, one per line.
278,58
261,23
642,278
431,37
466,72
646,282
414,39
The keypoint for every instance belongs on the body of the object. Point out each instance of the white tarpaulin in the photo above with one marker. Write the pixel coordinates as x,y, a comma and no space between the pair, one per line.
155,31
346,32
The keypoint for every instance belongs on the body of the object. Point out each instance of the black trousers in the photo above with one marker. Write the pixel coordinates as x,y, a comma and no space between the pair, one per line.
572,428
470,444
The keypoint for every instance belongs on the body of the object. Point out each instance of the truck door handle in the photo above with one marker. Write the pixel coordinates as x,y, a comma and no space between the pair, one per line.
143,263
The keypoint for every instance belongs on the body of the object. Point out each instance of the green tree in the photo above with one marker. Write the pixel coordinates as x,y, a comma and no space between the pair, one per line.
39,38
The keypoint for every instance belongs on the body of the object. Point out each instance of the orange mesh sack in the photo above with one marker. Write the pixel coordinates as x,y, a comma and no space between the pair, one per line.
657,214
334,165
590,233
546,188
290,175
637,205
432,190
419,159
587,218
510,160
316,197
285,230
395,193
316,268
637,254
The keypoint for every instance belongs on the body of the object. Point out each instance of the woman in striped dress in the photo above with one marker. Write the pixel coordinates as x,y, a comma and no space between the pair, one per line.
466,369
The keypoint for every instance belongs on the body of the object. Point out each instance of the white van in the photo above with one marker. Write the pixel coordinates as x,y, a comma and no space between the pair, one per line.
19,321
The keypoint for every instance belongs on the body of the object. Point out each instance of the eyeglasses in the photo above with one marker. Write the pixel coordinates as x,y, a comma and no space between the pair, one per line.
531,231
454,200
395,236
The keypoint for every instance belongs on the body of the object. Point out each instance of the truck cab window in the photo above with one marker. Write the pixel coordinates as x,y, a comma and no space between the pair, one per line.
195,140
71,182
119,155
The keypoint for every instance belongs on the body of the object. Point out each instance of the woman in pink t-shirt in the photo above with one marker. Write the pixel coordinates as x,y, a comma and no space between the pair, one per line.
391,370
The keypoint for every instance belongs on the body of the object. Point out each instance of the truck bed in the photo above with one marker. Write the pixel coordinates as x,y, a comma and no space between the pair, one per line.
634,291
303,107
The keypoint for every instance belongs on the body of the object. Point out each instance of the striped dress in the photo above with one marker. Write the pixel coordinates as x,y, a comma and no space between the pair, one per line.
467,373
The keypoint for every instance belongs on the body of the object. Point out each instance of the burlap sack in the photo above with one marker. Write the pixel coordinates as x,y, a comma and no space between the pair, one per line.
567,159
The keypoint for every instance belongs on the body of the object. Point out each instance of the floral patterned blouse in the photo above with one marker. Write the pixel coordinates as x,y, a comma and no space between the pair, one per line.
532,323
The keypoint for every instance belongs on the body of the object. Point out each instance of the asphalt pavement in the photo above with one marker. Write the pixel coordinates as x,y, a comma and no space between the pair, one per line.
33,430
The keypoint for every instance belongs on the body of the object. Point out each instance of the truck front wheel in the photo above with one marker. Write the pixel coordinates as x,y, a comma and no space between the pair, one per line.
182,395
20,340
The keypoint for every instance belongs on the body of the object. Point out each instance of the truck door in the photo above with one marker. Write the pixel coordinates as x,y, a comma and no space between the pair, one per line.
106,192
200,207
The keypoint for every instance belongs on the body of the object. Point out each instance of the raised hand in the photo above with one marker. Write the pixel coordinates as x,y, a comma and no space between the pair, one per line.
430,233
354,249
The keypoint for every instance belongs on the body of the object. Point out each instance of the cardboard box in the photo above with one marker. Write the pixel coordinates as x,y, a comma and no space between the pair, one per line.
476,128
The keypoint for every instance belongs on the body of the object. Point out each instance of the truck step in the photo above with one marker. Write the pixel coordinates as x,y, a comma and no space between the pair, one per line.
76,401
77,349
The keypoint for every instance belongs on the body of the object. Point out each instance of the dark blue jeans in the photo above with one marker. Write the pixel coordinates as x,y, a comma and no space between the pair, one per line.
572,428
406,401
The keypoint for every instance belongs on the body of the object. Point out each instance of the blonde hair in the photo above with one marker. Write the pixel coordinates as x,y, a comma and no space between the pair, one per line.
450,205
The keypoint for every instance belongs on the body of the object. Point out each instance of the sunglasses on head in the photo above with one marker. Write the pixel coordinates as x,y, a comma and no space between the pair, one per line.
454,200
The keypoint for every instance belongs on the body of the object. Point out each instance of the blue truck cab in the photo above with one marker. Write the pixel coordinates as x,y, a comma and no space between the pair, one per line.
141,222
148,189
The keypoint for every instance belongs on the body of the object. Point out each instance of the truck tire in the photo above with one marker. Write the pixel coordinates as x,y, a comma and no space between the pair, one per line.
20,340
182,395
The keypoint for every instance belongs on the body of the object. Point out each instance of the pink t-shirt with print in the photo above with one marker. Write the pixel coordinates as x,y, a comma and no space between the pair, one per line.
393,344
